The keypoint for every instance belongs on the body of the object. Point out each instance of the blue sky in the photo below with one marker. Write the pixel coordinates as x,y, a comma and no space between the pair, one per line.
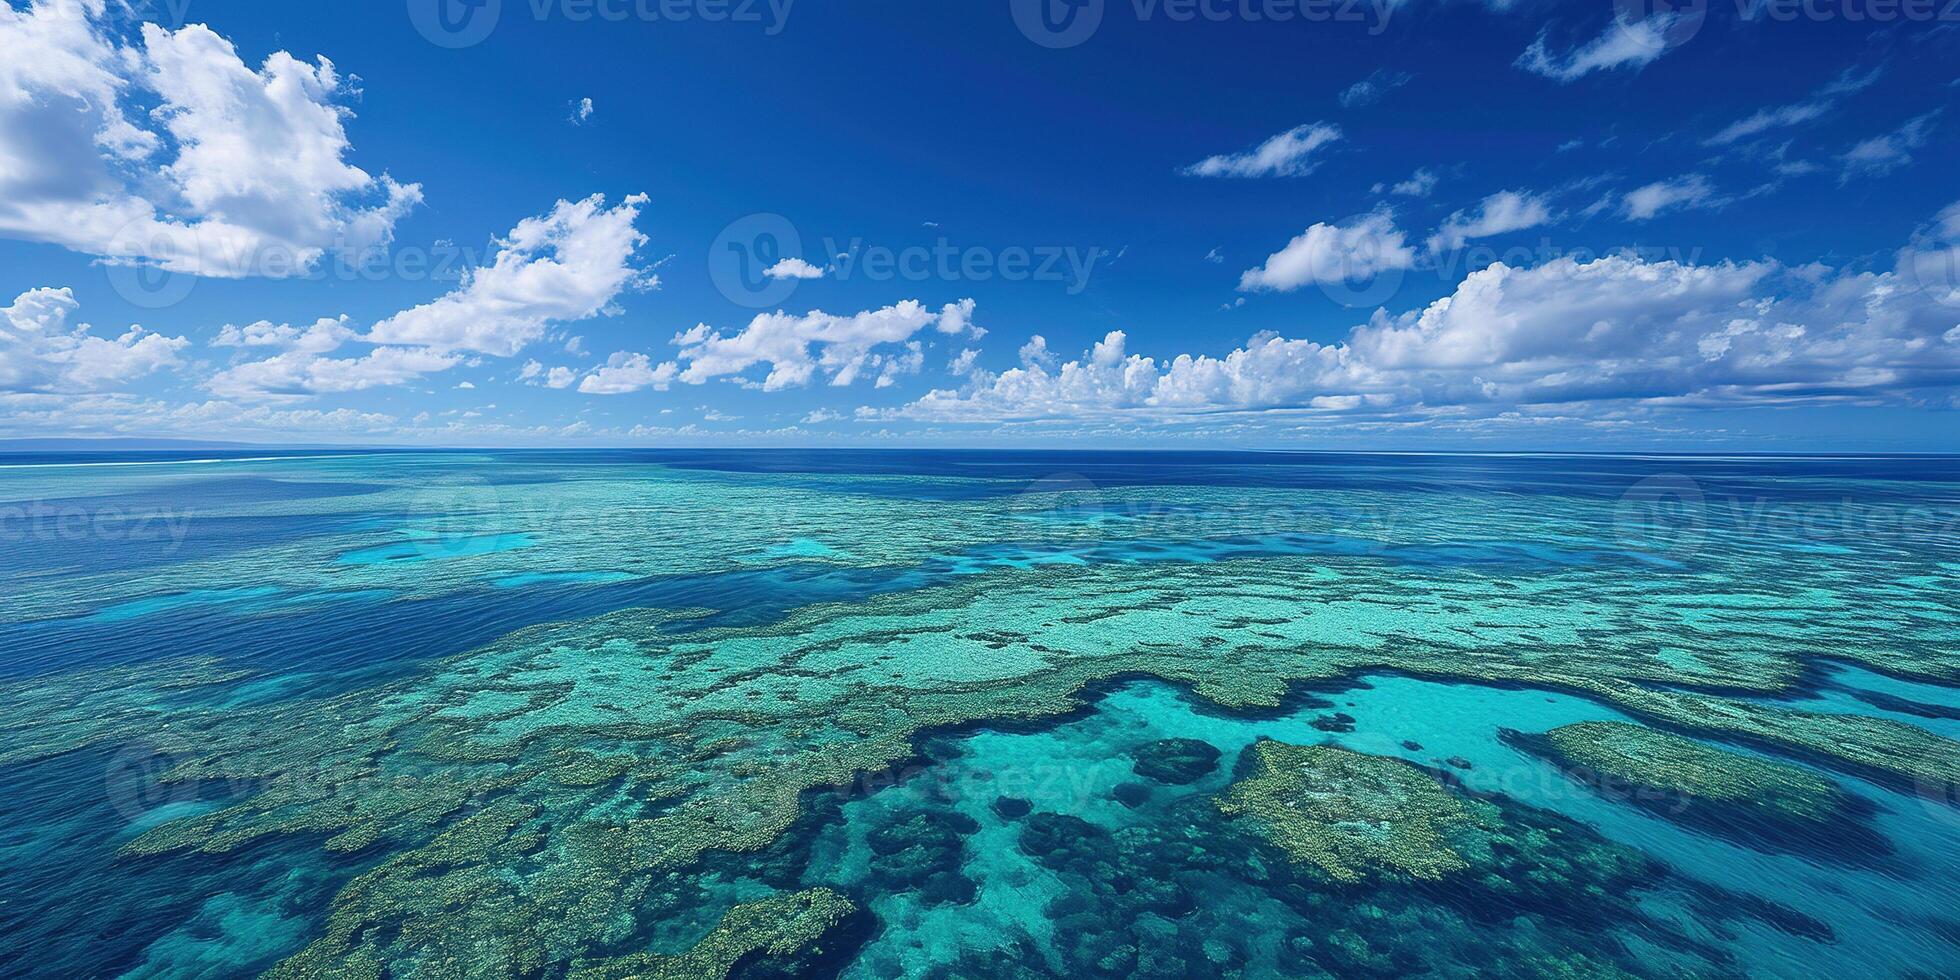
1431,225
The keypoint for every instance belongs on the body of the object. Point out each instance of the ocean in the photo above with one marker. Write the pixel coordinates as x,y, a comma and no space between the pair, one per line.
974,714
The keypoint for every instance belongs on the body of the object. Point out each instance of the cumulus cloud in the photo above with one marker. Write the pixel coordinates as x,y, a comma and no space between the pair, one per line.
165,148
302,369
570,264
39,352
318,338
624,373
1290,154
1360,249
963,363
567,265
793,268
1035,353
1619,332
1688,191
1500,213
1624,44
843,348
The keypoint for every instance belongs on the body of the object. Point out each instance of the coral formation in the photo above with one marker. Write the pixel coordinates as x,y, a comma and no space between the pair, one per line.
1178,761
1766,804
1350,815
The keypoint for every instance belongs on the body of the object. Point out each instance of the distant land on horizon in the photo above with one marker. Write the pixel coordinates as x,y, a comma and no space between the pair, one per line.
125,445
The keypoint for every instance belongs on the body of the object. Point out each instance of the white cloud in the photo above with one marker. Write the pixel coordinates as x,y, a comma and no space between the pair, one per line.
1500,213
1370,90
567,265
1290,154
1419,184
1688,191
1881,155
581,112
172,151
322,336
894,366
1624,44
963,363
1035,353
1779,117
822,416
793,268
1618,333
1324,253
570,264
1767,119
302,369
124,414
624,372
39,352
845,347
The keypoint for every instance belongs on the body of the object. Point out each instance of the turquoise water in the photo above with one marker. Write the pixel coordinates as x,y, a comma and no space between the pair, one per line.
973,714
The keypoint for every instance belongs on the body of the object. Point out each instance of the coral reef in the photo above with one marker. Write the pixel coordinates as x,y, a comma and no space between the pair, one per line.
1178,761
780,935
1350,815
599,789
1765,804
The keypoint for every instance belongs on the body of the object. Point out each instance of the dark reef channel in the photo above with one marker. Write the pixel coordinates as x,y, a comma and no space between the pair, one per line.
1036,849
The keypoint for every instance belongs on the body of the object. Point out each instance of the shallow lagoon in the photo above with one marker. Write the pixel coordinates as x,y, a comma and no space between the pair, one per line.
702,713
